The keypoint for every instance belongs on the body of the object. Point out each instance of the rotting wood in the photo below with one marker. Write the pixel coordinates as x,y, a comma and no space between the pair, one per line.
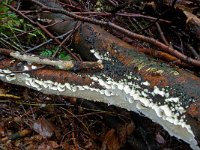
129,80
61,64
55,9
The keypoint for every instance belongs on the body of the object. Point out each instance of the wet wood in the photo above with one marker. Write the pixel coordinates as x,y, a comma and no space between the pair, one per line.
158,83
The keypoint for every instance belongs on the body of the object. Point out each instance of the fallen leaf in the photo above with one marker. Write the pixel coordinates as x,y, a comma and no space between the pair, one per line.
43,127
160,139
111,141
125,130
54,144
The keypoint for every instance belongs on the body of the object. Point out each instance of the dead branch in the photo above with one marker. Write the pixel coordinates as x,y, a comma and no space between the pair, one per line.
129,79
64,65
47,32
162,34
130,34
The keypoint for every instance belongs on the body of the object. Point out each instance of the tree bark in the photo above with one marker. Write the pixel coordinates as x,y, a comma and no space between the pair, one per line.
129,79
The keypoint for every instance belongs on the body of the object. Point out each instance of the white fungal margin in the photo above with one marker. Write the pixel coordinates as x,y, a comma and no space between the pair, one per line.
158,91
146,83
10,77
26,68
99,56
33,67
172,99
119,93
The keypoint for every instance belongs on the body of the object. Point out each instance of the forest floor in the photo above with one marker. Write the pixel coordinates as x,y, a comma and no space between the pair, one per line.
32,120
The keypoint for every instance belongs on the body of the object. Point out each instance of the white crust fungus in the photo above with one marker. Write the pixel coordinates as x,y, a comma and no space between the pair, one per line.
10,77
129,95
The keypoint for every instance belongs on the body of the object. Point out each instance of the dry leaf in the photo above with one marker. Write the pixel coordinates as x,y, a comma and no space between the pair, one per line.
124,131
43,127
160,139
111,141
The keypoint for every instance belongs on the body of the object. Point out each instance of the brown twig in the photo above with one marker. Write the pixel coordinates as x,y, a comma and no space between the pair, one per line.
121,6
159,16
21,14
67,38
196,55
112,3
121,14
46,31
130,34
161,34
163,56
57,41
48,41
65,65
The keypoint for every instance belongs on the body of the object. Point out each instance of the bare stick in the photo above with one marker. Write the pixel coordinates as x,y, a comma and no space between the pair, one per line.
64,65
130,34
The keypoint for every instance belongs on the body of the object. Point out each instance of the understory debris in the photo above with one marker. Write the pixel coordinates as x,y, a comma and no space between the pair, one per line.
126,78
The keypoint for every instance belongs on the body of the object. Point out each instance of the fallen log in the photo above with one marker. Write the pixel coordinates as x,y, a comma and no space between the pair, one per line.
129,80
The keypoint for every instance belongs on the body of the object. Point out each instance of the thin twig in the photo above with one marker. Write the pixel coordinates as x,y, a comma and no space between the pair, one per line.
65,65
160,15
161,34
10,44
121,14
196,55
46,31
68,37
48,41
21,14
57,41
124,31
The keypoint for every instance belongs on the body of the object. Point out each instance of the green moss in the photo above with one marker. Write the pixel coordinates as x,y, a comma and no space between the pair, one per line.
49,53
15,30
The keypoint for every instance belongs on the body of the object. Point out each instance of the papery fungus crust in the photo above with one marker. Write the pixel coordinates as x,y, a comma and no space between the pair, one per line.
56,83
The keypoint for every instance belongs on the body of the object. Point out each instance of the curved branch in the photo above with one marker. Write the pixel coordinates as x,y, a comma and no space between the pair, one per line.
64,65
130,34
129,80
